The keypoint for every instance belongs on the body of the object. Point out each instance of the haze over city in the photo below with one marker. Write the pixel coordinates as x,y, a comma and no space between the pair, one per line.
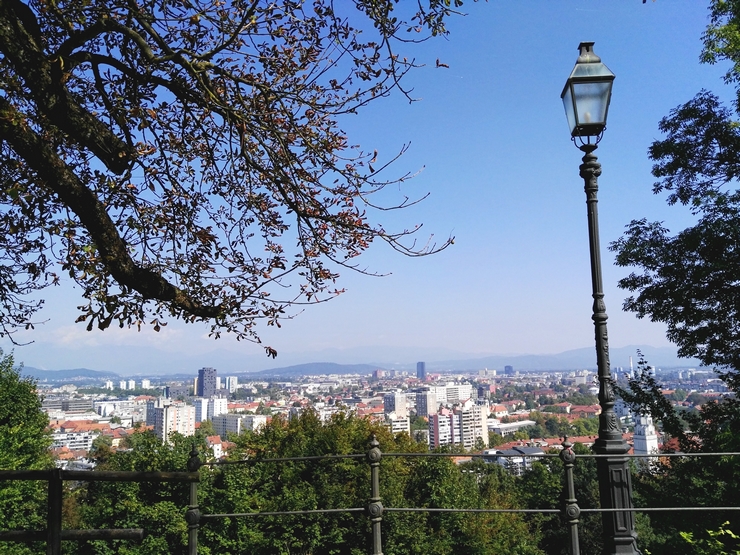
490,138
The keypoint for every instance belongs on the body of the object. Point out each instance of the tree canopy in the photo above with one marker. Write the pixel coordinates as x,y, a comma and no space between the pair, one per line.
688,280
24,445
186,159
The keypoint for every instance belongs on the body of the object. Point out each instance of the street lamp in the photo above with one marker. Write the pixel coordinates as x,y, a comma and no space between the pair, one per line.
586,97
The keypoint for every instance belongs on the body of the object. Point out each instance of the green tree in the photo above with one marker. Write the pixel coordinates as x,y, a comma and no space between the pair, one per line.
185,159
494,439
253,485
541,487
687,280
24,445
155,507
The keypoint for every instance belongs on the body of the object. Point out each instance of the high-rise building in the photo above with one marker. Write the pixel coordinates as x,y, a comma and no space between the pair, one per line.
177,417
146,384
465,424
131,384
206,409
122,385
443,428
473,424
508,370
421,370
206,385
426,403
201,409
232,384
157,403
395,402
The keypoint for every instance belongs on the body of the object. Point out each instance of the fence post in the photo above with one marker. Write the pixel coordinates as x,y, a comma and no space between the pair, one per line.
54,515
375,507
192,516
571,511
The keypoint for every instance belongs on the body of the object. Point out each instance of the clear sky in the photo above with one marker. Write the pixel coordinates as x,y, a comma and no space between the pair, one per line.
491,137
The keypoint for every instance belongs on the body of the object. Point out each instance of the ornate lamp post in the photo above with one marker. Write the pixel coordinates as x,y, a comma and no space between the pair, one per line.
586,97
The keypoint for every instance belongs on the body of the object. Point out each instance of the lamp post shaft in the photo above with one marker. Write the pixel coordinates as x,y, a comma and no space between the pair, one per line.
615,484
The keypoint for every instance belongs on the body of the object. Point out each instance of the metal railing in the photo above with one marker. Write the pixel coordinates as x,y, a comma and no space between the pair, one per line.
374,510
54,534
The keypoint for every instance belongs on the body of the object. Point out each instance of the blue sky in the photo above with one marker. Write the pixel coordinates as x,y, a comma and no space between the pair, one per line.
490,137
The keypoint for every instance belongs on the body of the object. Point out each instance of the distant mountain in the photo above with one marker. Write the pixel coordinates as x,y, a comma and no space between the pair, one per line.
76,374
316,368
578,359
148,363
661,357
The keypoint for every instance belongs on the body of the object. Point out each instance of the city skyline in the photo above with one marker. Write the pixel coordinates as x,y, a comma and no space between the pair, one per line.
491,136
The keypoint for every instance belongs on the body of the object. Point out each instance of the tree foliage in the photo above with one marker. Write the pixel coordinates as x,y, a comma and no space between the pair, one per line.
688,279
256,485
24,445
187,160
682,482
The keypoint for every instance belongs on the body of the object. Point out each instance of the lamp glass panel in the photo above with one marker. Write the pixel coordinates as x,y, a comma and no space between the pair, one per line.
592,100
569,109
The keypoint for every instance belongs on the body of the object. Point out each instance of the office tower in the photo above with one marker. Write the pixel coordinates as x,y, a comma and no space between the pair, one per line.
172,418
232,384
395,402
201,409
426,403
206,385
421,370
151,406
508,370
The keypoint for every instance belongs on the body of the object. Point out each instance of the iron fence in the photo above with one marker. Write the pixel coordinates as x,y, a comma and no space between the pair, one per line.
373,510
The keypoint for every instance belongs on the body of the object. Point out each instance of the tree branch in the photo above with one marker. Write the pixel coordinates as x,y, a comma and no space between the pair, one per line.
114,255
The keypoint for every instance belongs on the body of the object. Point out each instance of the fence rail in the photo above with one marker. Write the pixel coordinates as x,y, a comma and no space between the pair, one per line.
374,510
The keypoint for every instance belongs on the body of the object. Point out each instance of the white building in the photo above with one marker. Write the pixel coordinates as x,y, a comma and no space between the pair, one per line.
426,403
158,403
645,438
122,385
109,384
146,384
131,384
232,384
516,460
206,409
395,402
444,428
398,423
74,440
201,409
457,393
473,424
176,417
465,424
226,424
